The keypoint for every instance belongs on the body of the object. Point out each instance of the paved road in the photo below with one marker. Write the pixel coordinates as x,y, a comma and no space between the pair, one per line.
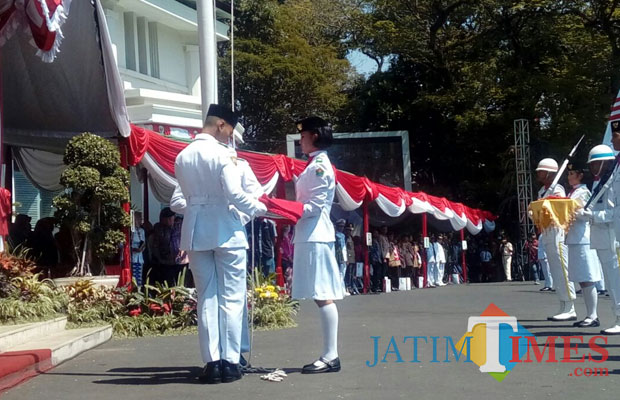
166,367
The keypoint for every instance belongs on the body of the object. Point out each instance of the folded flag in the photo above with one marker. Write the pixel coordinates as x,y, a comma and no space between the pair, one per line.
284,210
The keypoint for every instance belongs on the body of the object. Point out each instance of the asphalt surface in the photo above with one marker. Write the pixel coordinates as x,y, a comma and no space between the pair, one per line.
167,367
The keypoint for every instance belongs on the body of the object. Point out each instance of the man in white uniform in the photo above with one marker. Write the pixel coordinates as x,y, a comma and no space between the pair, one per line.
611,269
431,264
209,182
557,252
440,261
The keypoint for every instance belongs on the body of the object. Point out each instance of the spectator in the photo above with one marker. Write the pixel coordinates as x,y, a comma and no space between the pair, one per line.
20,230
487,266
163,259
350,272
394,262
268,238
532,251
406,252
455,268
506,250
384,245
43,245
287,249
138,244
358,272
376,261
181,258
440,260
417,265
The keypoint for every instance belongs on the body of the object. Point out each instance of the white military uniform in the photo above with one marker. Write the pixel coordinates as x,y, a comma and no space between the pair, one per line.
610,256
316,274
431,265
250,185
583,265
557,257
440,263
208,184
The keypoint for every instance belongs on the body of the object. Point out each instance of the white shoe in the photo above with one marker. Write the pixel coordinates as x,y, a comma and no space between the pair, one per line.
567,312
614,330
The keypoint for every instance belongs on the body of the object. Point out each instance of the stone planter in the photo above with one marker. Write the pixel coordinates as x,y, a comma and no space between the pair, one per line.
103,280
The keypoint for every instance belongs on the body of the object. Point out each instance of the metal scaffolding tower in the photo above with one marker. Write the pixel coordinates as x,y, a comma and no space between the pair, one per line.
524,188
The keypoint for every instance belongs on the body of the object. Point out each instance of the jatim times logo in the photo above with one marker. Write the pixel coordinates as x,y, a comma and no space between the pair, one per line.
496,342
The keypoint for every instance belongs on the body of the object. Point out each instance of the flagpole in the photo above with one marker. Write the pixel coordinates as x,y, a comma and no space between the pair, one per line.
207,53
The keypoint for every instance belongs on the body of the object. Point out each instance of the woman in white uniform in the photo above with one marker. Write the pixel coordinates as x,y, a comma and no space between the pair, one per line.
317,275
583,264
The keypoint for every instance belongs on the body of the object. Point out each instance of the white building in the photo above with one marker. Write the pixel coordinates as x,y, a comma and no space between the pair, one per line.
155,44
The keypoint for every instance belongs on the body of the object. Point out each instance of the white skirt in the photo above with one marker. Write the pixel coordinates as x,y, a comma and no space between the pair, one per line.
583,264
315,272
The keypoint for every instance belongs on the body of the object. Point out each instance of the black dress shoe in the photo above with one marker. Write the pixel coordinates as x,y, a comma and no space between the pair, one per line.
588,323
211,373
323,367
243,363
230,372
545,289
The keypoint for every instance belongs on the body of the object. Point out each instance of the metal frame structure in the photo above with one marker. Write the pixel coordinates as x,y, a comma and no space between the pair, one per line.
291,139
524,187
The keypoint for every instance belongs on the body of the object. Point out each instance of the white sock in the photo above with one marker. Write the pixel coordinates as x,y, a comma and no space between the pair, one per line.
590,296
329,322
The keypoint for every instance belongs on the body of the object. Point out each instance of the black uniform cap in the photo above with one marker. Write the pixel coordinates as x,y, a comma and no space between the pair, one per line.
318,126
576,166
231,117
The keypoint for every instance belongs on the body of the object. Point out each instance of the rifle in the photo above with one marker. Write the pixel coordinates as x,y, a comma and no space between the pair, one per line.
562,168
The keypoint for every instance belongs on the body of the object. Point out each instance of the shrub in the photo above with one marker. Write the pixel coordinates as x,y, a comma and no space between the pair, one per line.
272,307
91,205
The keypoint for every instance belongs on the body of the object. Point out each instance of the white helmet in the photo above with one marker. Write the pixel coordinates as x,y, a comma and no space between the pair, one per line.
601,152
547,164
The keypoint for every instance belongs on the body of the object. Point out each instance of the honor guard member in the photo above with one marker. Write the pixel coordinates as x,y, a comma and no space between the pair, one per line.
613,277
250,185
602,234
316,273
553,240
583,265
208,184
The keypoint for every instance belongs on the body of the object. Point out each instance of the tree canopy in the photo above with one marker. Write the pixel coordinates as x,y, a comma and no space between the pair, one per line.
454,73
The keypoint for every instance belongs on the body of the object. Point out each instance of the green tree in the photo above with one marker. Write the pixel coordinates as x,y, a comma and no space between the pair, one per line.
289,63
91,205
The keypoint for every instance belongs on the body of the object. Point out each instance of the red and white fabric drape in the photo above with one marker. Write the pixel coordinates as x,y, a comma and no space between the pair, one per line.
42,19
158,153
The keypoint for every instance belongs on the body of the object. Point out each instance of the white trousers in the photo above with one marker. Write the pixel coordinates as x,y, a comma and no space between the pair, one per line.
543,265
611,270
440,270
220,278
431,273
507,261
557,256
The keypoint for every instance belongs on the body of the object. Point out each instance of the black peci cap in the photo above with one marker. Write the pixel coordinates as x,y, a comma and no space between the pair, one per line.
231,117
311,124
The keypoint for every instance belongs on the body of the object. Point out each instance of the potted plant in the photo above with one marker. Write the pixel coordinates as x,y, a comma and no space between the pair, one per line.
90,208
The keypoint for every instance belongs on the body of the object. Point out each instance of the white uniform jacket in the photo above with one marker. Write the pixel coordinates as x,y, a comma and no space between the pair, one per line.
557,191
209,182
579,231
440,254
615,189
431,255
602,235
315,189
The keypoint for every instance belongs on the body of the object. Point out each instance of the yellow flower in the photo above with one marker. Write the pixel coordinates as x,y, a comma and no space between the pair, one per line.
274,295
271,288
263,295
259,290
